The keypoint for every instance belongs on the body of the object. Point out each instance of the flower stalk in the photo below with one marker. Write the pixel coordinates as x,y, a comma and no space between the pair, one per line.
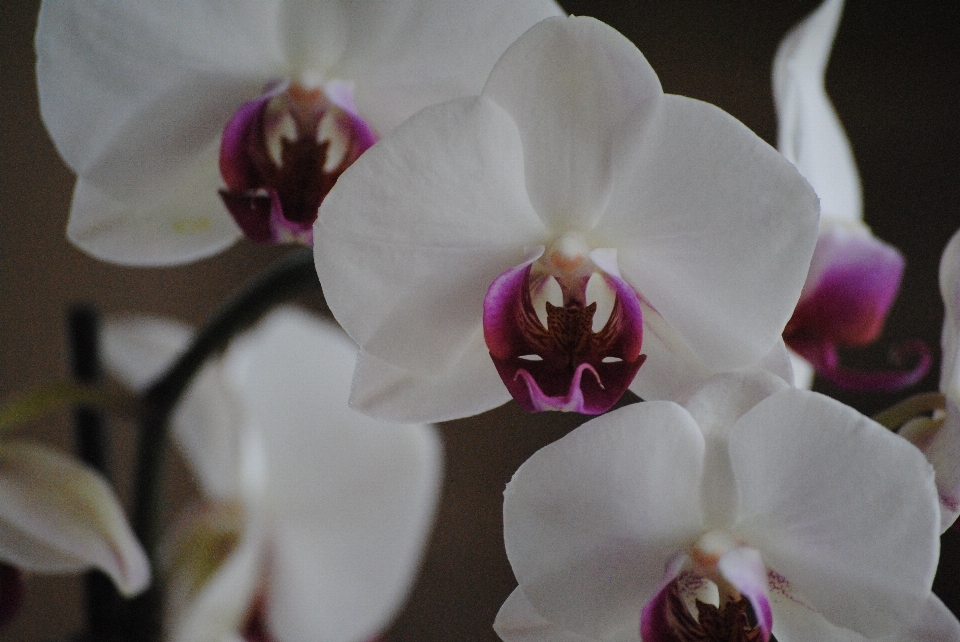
286,278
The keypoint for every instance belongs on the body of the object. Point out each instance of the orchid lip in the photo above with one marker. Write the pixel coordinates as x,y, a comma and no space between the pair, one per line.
281,154
558,361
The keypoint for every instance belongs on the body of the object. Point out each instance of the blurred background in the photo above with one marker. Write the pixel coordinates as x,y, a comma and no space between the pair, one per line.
894,78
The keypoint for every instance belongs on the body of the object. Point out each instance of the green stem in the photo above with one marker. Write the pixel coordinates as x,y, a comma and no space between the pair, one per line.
922,404
288,277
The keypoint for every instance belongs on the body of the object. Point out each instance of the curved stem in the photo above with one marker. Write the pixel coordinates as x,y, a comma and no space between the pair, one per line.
288,277
901,413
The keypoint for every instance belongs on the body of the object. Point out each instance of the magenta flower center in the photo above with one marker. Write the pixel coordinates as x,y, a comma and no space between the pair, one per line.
280,156
557,354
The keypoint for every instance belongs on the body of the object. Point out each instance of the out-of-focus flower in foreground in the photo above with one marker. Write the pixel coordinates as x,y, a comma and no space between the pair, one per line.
145,100
59,516
854,276
315,516
568,217
753,508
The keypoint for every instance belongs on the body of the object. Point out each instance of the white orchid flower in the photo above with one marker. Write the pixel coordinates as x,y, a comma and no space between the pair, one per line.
938,436
490,226
145,99
316,516
751,494
854,276
60,516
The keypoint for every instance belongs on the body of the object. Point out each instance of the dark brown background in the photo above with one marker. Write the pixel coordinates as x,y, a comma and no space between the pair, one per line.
893,77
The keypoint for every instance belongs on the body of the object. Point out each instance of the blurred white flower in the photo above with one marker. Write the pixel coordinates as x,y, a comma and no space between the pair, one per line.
752,493
137,94
316,516
60,516
566,215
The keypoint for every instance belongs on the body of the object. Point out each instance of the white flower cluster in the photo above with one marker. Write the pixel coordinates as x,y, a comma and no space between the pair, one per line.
502,203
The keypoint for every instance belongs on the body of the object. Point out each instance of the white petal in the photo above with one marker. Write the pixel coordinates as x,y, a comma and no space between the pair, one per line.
591,520
795,622
313,35
137,350
415,231
802,371
207,418
680,372
218,609
133,91
950,339
386,392
49,502
405,55
943,452
715,230
581,95
818,486
166,221
207,425
810,134
518,621
351,498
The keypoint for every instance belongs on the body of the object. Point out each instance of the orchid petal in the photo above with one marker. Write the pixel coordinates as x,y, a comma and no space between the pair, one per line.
681,372
575,134
744,569
681,244
110,73
810,134
796,622
591,521
218,609
52,504
831,538
386,392
352,498
802,370
137,350
940,443
167,222
408,54
407,273
313,34
518,621
950,339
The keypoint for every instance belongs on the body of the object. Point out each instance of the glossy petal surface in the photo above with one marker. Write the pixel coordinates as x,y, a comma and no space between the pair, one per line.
591,521
731,303
811,491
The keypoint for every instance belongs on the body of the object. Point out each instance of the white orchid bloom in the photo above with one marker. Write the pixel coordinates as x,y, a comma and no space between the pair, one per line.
939,436
854,276
316,515
145,99
60,516
750,494
490,226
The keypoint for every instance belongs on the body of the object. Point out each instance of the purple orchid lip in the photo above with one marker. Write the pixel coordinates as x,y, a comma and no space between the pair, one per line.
565,365
281,154
847,307
667,618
